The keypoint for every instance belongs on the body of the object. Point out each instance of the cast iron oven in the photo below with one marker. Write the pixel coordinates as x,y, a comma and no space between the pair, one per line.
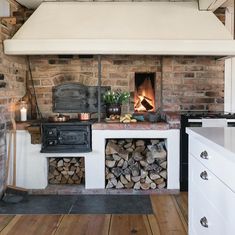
59,133
66,137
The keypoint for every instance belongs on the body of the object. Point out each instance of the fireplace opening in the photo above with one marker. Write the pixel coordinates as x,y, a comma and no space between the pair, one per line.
144,97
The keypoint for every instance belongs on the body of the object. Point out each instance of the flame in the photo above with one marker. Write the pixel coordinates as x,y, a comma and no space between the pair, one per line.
145,92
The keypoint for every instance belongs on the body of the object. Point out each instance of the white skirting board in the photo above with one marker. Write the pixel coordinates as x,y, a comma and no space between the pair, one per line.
32,166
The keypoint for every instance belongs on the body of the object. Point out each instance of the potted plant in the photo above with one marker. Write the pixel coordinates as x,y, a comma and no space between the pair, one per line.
114,100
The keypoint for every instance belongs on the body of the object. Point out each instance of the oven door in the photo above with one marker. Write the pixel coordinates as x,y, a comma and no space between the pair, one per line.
73,137
66,139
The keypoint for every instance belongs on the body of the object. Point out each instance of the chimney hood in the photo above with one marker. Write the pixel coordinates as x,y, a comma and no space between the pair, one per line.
148,28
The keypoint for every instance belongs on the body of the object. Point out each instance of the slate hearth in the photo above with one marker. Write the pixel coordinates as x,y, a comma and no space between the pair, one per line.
82,204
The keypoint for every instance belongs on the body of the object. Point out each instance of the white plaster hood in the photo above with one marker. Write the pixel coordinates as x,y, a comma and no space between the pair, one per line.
157,28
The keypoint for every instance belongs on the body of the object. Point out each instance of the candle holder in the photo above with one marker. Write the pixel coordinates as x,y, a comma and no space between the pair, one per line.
23,111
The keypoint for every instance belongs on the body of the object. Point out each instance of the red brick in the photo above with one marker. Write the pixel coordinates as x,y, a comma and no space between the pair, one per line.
204,100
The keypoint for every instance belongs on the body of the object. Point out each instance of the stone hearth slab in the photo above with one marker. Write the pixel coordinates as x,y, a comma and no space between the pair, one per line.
131,126
33,204
82,204
112,204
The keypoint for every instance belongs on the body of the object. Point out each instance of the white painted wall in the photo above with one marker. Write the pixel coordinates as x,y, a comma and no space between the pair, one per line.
210,4
31,167
4,8
229,90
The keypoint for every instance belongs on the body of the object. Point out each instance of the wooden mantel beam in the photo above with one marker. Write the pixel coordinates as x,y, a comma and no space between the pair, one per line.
210,5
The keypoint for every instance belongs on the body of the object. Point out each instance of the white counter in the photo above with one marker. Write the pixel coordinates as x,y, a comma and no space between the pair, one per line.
221,139
211,180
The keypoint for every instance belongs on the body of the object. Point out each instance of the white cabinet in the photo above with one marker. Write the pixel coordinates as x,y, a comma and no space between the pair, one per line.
211,190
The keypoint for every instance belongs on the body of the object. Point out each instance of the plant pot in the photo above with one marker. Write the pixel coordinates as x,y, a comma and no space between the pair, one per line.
114,109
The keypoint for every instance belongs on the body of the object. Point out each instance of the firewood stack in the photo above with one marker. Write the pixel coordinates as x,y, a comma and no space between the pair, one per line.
138,164
66,170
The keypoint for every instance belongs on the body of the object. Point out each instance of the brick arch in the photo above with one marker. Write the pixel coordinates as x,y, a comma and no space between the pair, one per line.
64,78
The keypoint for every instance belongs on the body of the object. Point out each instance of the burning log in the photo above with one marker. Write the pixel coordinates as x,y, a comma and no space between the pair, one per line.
147,98
138,103
146,104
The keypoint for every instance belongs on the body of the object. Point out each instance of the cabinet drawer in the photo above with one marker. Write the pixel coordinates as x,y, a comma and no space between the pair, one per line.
221,166
216,192
201,212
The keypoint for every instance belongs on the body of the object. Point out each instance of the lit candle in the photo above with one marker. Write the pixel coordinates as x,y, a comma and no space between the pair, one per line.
23,114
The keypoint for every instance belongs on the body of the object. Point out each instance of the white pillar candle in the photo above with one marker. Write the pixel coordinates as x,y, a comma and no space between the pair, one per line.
23,114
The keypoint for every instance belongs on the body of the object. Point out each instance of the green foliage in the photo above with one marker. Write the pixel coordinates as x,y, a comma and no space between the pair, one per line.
116,97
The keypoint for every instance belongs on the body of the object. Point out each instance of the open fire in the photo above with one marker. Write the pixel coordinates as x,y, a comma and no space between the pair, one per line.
144,92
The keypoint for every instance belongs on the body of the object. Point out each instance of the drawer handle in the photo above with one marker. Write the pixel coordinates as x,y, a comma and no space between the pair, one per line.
204,175
204,222
204,155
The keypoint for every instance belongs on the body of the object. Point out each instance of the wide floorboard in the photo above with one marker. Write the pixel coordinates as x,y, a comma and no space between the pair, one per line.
169,218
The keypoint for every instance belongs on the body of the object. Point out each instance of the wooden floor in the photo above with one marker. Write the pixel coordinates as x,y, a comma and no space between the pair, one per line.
169,218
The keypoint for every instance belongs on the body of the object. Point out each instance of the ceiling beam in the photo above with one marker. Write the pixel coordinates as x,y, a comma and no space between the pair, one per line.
210,5
228,3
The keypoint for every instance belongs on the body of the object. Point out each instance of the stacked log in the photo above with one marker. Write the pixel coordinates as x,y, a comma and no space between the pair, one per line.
66,171
137,164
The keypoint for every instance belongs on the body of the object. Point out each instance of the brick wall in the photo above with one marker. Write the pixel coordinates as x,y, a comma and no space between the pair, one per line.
193,83
220,13
2,155
12,78
188,83
12,68
117,72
